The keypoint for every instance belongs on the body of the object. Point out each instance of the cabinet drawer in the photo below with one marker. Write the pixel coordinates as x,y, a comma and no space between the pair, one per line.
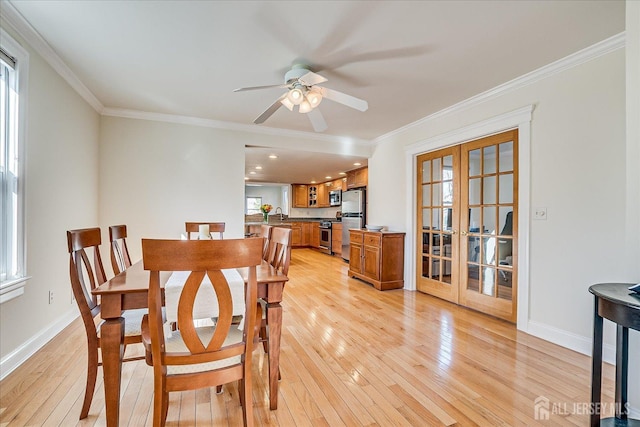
355,237
372,239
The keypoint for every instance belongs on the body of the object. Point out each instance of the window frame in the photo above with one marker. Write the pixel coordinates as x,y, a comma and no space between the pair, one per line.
14,286
246,205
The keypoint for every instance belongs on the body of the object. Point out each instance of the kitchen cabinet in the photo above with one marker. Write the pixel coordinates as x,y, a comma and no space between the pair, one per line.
377,258
296,234
306,234
357,178
323,196
312,196
336,238
300,196
315,235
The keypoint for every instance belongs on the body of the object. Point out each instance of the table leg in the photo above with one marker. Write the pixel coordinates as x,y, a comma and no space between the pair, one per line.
274,320
596,369
112,346
622,367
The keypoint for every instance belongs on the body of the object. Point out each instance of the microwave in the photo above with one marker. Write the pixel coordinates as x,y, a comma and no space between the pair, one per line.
335,198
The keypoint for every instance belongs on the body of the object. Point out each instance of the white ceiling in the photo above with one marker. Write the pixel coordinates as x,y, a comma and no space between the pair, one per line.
408,59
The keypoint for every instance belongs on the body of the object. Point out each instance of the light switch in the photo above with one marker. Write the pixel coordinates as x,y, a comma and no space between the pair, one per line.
540,213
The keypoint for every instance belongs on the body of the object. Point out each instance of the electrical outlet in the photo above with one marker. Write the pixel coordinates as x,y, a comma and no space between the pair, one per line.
50,297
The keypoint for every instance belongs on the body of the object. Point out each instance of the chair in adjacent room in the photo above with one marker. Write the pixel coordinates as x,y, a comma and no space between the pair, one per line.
120,259
194,227
279,257
194,356
86,273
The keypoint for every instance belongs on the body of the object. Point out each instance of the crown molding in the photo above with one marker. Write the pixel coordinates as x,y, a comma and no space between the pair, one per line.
587,54
218,124
16,21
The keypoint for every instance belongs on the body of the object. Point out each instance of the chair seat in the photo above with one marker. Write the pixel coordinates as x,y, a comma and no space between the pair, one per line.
174,343
132,322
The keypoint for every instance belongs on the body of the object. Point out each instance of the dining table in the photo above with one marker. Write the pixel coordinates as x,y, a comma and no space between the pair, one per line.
129,290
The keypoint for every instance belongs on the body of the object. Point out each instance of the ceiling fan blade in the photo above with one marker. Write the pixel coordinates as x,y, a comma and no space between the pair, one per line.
242,89
317,120
269,111
311,79
343,98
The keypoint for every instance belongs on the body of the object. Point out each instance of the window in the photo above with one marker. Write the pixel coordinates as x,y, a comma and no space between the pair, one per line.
253,205
13,72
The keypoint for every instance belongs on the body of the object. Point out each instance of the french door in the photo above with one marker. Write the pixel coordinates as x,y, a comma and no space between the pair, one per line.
467,224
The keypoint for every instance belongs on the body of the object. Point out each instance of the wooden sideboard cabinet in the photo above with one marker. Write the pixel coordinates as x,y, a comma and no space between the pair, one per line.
377,258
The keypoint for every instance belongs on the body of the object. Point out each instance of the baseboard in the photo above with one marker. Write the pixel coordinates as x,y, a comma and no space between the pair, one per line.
570,340
17,357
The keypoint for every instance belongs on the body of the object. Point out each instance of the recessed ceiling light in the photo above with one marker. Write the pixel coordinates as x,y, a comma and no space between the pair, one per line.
246,178
357,164
252,173
273,156
342,173
258,167
313,182
327,177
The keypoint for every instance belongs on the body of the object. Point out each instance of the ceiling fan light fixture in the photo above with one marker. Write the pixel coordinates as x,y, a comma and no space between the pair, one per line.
314,97
285,101
305,107
296,96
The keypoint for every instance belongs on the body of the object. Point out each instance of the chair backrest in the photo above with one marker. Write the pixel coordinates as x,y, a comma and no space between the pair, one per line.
280,249
265,232
84,273
201,257
120,259
194,227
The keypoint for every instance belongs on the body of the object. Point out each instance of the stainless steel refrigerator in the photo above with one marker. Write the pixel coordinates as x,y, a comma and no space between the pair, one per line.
353,216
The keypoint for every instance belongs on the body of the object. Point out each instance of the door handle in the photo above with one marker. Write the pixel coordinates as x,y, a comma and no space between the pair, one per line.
464,233
454,231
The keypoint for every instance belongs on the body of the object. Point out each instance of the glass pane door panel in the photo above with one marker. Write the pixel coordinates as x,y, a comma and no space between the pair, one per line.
446,273
426,218
426,195
435,247
474,220
489,220
506,220
488,281
506,156
473,246
506,188
437,170
489,160
505,249
448,219
473,278
489,190
447,193
489,250
474,162
475,186
437,194
435,219
426,171
447,163
425,266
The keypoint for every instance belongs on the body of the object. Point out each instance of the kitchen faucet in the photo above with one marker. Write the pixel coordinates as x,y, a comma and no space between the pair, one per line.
276,212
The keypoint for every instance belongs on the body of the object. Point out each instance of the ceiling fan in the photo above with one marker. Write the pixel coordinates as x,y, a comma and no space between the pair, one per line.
305,95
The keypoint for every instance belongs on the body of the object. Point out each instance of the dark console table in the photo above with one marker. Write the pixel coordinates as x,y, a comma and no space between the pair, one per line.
613,301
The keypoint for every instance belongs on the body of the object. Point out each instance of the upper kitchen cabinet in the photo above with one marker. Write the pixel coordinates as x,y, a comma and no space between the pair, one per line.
323,196
357,178
300,196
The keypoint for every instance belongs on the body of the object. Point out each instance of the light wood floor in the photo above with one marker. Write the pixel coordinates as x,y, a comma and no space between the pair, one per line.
351,356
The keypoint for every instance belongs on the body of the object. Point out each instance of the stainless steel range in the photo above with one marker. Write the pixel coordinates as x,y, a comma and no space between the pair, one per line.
325,237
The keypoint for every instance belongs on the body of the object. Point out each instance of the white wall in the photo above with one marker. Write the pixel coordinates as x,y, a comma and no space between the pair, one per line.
578,172
62,193
154,176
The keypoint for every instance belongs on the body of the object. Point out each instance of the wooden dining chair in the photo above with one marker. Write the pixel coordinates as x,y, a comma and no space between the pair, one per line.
279,256
214,227
120,259
265,232
87,272
195,357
